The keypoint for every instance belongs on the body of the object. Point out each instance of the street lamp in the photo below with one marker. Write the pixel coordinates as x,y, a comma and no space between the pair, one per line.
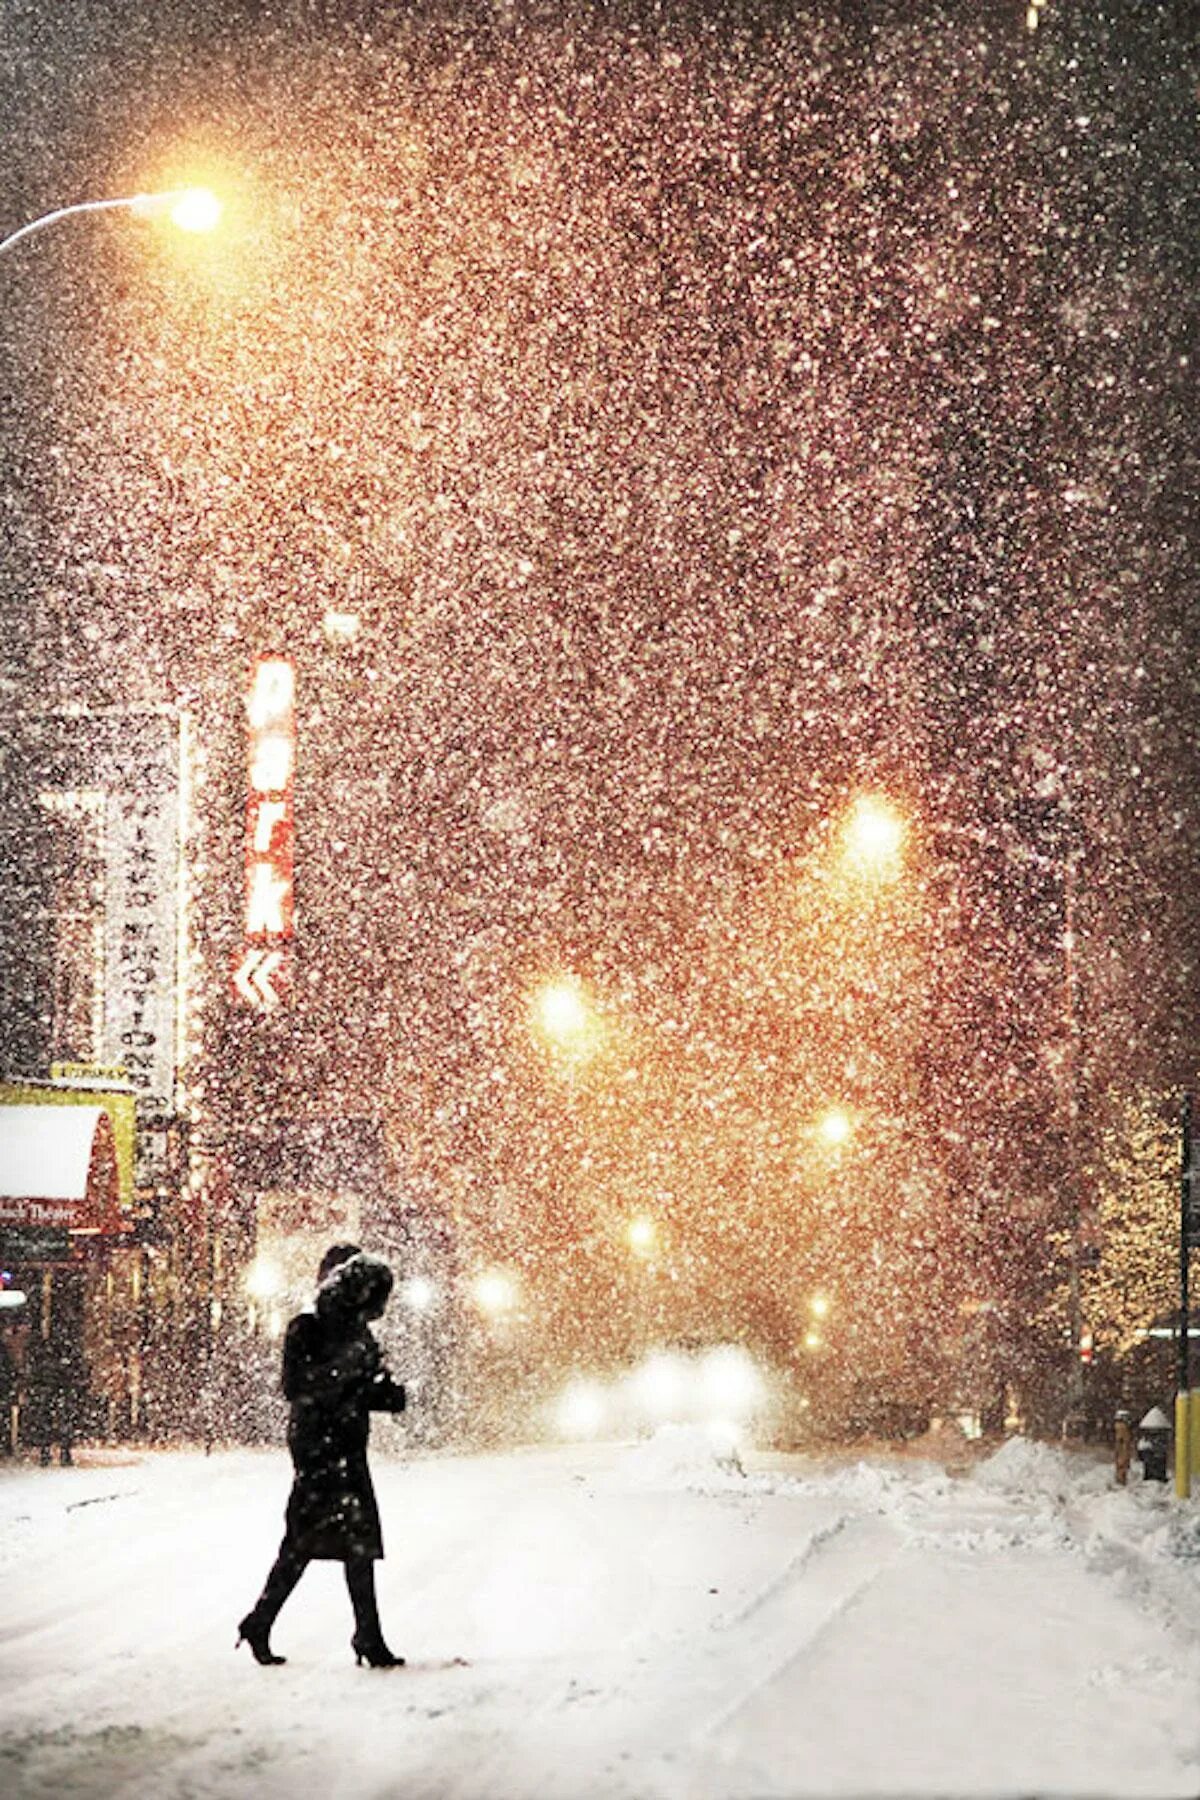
190,208
418,1293
565,1019
495,1292
562,1011
873,835
642,1234
835,1127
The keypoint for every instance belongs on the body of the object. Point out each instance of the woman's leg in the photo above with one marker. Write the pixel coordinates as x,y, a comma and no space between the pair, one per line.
286,1571
367,1644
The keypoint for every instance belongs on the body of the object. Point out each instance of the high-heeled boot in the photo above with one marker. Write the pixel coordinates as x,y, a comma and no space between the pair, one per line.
367,1643
255,1628
256,1632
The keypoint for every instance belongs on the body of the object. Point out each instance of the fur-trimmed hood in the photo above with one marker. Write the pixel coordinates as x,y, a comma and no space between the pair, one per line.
360,1286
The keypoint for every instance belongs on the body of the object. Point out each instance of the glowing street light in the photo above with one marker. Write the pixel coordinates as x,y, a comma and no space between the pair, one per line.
191,209
561,1011
264,1280
873,838
266,1285
194,209
418,1293
642,1234
835,1127
564,1017
495,1292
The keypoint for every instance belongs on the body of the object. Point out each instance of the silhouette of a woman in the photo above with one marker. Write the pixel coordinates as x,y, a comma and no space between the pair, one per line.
334,1377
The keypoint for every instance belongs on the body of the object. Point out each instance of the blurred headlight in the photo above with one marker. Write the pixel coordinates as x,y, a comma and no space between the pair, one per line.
730,1383
418,1293
660,1386
580,1410
264,1279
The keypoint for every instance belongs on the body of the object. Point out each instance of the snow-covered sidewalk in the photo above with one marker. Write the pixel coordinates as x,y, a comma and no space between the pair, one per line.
633,1622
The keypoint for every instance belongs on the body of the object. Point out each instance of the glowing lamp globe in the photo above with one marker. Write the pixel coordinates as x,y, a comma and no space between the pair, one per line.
874,836
195,209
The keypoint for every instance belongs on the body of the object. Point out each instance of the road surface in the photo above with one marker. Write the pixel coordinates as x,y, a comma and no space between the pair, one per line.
608,1622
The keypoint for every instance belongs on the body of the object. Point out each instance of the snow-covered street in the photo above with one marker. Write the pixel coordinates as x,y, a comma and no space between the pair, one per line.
632,1621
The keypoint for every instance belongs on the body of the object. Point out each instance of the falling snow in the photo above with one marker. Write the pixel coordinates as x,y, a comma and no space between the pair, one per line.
652,433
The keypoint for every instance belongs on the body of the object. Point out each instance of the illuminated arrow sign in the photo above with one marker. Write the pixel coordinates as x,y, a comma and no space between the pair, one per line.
254,978
269,917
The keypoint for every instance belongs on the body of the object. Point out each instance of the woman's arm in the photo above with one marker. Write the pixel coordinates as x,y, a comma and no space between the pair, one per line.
386,1395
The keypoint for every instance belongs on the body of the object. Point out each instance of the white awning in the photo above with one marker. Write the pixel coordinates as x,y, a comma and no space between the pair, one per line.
57,1166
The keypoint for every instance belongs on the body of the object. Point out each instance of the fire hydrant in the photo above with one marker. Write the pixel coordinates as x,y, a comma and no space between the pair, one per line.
1154,1437
1123,1444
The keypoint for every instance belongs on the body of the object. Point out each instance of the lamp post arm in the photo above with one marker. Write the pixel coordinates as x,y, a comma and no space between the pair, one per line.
130,203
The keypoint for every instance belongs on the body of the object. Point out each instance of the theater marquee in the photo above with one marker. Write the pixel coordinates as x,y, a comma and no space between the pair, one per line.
92,801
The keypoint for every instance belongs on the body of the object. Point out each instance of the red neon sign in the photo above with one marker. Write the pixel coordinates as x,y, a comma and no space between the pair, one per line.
269,922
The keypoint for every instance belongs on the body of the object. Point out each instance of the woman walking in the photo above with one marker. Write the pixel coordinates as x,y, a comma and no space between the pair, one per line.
334,1377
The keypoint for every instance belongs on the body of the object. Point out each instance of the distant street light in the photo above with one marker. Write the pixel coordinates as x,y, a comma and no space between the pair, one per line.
561,1010
873,837
835,1127
264,1280
191,209
418,1293
565,1018
642,1234
495,1292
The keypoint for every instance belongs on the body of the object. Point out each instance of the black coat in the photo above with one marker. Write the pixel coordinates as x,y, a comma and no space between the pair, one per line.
334,1376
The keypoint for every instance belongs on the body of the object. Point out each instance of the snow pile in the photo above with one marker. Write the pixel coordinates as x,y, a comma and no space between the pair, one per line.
1013,1501
1037,1496
1182,1537
1150,1546
874,1487
1024,1467
687,1456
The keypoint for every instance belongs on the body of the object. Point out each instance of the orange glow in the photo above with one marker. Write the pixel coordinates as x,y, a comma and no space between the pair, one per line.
565,1018
642,1234
495,1292
195,209
835,1128
873,837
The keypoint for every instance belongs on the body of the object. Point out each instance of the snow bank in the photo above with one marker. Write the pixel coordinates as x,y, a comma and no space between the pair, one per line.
688,1456
1022,1466
1149,1545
